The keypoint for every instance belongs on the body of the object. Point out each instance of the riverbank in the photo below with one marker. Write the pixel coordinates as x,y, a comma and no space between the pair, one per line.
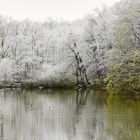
42,86
38,85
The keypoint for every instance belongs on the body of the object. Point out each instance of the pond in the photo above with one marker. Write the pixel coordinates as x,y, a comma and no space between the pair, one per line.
68,115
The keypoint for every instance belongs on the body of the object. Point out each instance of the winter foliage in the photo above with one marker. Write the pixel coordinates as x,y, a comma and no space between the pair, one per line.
106,42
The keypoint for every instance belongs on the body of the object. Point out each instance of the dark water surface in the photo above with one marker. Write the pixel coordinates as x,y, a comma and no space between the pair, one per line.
68,115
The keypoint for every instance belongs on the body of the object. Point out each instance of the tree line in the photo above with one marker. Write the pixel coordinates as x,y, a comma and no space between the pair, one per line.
100,48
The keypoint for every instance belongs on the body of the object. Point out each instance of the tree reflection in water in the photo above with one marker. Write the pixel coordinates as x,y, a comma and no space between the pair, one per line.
68,115
81,96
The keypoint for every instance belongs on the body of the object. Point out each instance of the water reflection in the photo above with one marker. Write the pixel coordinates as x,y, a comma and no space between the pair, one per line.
68,115
81,97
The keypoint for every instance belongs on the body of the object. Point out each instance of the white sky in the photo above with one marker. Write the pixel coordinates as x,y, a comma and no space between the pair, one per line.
39,10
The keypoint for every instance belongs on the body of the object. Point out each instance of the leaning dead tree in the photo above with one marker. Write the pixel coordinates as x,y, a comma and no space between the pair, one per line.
81,74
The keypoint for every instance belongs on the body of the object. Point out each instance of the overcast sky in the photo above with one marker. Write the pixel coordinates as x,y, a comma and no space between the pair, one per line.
39,10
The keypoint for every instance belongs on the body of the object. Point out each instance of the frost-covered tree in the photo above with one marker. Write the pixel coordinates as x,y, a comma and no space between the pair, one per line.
124,60
98,38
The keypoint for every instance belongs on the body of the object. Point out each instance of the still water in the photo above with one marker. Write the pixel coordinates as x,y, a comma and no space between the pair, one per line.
68,115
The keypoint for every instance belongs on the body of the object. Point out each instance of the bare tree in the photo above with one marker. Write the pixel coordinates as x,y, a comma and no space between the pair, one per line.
81,74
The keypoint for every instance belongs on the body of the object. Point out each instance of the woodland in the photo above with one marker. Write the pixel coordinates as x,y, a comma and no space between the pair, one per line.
101,49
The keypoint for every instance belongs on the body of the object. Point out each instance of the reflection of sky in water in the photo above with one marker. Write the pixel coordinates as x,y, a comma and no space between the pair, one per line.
65,115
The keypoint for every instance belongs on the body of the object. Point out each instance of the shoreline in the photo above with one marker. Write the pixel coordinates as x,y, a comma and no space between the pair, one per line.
49,86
